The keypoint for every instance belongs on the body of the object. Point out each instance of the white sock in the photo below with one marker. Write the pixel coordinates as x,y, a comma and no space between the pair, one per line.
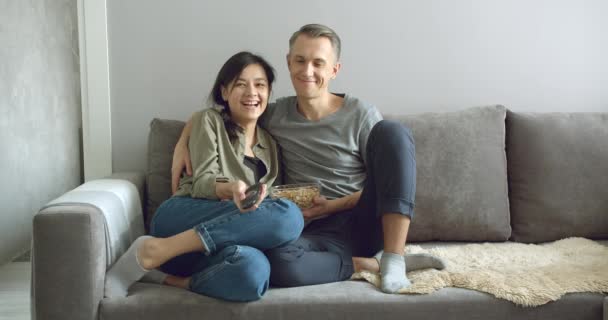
392,270
126,271
417,261
154,276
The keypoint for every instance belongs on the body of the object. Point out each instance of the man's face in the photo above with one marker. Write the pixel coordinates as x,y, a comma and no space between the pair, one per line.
312,64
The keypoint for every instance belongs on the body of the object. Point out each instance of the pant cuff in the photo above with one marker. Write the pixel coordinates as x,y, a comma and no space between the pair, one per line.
347,269
396,205
205,237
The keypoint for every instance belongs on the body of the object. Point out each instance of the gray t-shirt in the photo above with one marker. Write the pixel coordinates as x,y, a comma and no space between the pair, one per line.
330,151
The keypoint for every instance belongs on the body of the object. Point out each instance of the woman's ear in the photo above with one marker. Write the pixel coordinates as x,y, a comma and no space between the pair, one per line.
225,93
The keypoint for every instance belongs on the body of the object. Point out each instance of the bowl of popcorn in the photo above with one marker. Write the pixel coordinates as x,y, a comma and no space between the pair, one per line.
301,194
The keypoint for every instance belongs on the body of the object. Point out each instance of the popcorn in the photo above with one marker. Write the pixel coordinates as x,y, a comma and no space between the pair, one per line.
301,194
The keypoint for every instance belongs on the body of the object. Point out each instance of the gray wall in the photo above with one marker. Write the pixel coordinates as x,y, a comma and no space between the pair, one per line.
39,113
404,56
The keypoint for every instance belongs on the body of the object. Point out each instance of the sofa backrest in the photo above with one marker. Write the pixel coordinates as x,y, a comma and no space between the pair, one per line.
461,190
162,139
558,175
557,183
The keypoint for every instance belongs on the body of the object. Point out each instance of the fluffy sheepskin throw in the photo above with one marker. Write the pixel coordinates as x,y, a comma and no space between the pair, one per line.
525,274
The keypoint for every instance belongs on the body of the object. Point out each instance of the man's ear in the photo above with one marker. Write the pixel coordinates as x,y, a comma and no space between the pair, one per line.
287,58
336,69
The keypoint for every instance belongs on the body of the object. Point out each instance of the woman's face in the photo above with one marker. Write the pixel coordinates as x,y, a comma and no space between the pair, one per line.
247,95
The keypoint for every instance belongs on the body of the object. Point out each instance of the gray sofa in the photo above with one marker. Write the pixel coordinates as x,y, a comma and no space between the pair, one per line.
484,174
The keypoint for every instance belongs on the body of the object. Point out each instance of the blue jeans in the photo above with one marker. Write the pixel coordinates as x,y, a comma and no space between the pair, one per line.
234,268
324,251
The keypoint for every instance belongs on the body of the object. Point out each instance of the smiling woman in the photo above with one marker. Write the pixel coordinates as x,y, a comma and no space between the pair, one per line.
247,95
229,151
242,88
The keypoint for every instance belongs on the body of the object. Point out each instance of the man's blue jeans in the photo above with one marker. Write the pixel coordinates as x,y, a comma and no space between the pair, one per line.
235,268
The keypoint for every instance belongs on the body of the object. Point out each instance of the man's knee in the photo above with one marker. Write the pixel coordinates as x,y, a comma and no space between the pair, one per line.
391,131
390,139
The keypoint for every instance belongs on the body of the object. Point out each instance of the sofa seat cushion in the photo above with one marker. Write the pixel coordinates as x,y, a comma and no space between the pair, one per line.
558,175
344,300
461,191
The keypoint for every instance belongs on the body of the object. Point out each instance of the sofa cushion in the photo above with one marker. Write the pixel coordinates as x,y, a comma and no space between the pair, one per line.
558,175
461,173
161,142
461,191
351,300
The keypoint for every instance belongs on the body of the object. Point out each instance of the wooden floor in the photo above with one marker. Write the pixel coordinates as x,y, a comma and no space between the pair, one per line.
15,291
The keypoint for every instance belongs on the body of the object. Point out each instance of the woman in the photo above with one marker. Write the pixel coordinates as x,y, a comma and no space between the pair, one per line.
207,245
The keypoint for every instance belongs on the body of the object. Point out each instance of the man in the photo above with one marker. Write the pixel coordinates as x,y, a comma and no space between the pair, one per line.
343,144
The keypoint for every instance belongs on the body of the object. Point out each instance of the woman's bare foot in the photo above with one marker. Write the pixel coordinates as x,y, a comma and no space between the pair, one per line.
151,254
156,251
176,281
366,264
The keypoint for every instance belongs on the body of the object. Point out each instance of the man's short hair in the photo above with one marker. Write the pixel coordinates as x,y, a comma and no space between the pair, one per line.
315,31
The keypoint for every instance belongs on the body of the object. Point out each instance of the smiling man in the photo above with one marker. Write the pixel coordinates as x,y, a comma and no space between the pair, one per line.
343,144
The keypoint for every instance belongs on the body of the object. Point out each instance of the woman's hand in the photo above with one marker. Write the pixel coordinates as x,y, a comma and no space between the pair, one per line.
238,194
181,160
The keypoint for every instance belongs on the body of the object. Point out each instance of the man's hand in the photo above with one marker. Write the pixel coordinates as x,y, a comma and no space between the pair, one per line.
238,194
321,207
181,160
181,157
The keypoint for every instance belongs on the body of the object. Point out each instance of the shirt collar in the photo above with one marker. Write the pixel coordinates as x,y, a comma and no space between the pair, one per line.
262,141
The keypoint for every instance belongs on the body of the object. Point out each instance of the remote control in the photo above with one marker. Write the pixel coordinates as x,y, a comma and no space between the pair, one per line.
252,195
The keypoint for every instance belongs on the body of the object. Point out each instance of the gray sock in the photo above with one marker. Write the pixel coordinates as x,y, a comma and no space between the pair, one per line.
392,270
126,271
154,276
418,261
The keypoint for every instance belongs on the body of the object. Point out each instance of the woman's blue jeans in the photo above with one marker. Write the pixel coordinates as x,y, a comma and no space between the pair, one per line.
235,267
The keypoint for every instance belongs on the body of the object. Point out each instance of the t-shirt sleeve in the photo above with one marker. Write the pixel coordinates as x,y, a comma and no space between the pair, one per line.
372,117
267,115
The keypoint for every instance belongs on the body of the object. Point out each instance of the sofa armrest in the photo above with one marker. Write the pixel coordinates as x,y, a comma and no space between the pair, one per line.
606,308
68,263
137,178
76,237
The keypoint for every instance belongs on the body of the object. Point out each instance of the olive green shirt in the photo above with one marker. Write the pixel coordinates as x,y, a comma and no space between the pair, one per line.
215,158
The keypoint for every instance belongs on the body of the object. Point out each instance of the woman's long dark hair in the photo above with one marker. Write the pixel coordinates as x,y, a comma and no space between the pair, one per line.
230,71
